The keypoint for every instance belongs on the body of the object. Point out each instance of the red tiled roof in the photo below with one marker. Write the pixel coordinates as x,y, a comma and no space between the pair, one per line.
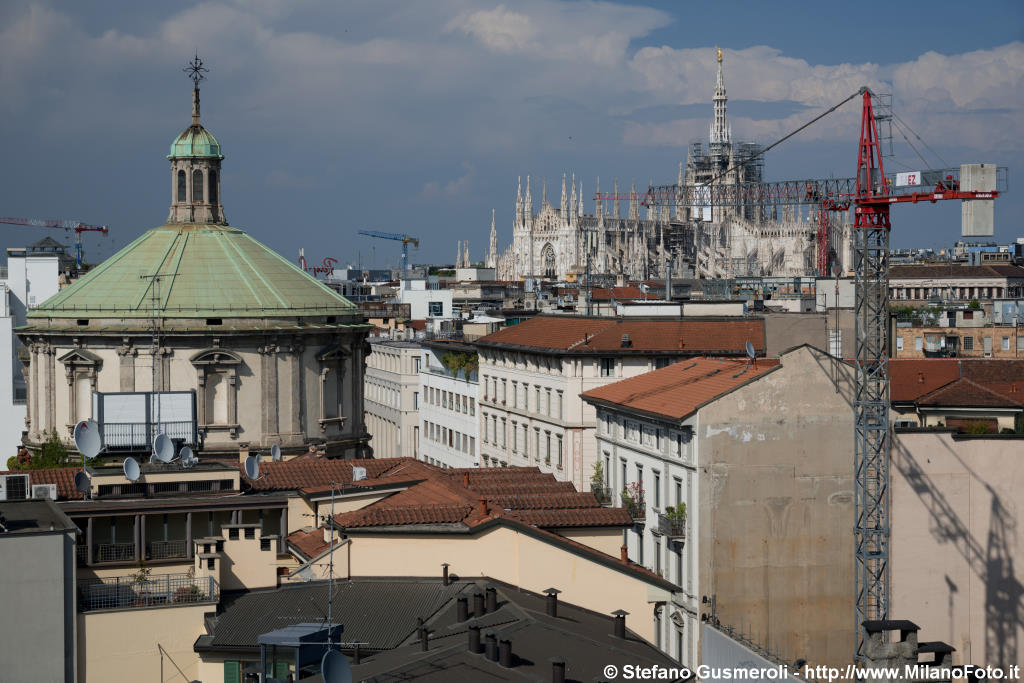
598,516
680,389
302,473
992,381
310,543
404,515
63,477
588,335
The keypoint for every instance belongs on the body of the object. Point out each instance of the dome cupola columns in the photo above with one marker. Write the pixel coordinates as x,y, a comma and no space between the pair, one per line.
195,166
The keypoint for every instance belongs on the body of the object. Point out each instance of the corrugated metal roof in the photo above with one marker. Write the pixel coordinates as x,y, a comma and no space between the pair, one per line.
380,613
205,271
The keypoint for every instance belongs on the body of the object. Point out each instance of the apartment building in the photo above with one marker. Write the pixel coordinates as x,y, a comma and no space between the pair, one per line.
739,479
955,282
449,391
532,375
391,398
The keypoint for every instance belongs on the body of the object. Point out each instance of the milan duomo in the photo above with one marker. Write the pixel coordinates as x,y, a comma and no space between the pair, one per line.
641,242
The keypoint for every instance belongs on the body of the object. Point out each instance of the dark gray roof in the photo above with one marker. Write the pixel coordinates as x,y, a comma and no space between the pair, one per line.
381,613
33,517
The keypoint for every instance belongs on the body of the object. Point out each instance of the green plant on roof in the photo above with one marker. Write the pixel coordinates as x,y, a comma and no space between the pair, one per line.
456,361
678,512
53,453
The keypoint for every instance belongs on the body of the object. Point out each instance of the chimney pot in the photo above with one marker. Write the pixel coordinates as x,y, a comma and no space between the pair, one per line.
557,670
491,646
620,623
481,506
478,604
465,479
624,553
424,639
505,653
355,654
444,574
462,608
551,603
492,599
474,640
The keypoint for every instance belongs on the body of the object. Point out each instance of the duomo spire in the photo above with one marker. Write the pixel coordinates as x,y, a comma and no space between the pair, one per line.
195,165
720,132
492,252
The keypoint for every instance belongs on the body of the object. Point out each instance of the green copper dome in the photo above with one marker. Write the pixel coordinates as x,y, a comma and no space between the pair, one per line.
195,141
204,271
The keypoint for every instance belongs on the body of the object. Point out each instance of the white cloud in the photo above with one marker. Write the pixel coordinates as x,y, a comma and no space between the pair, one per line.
454,188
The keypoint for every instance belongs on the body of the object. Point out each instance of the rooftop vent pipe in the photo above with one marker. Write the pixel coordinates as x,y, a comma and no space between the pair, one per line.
491,646
478,604
492,599
551,603
444,574
424,639
505,653
462,608
557,670
620,623
475,646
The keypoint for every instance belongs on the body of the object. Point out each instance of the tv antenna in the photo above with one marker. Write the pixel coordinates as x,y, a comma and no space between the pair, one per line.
155,305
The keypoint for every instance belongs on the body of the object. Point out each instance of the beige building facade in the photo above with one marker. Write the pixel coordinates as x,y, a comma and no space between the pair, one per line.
391,398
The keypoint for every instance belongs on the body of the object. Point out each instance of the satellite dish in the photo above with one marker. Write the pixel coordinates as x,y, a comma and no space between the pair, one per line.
153,459
87,439
82,483
186,456
131,469
334,668
275,452
750,350
163,448
252,467
358,473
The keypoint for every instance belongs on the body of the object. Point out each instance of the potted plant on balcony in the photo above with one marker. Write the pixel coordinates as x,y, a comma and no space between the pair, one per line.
675,520
597,485
189,593
633,501
141,581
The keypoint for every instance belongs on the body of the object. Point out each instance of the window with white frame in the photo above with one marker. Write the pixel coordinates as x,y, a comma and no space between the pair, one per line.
607,367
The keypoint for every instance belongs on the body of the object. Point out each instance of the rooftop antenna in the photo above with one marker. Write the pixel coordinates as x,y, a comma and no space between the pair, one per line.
157,378
131,470
330,594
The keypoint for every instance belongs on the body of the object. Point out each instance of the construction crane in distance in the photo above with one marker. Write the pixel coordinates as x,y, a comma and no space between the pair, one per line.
59,224
872,194
404,239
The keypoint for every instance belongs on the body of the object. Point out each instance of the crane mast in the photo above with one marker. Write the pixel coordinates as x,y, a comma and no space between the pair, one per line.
406,240
60,224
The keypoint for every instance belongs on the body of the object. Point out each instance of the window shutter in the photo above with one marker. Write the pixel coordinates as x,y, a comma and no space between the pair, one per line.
232,672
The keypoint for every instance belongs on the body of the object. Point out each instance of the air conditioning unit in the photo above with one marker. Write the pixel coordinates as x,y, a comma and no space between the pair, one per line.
44,491
14,487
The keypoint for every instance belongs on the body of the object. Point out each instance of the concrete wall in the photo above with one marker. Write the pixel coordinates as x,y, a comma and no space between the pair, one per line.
777,508
956,542
37,592
508,556
121,645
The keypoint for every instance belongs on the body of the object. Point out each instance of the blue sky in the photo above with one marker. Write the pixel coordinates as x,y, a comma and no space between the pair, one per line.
418,117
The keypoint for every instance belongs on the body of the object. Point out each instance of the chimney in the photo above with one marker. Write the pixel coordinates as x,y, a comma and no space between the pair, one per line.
424,639
478,604
444,574
920,378
474,640
492,599
551,603
355,654
620,623
481,506
491,646
505,653
465,479
624,553
557,670
462,609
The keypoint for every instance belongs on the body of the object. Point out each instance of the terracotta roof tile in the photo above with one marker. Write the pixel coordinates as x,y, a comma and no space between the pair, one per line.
63,477
404,515
302,473
574,518
309,543
680,389
544,501
967,393
590,335
913,379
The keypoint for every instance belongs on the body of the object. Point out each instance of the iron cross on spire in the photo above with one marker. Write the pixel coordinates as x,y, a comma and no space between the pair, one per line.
195,70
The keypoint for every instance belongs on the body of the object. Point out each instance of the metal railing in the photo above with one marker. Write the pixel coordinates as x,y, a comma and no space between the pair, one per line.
133,435
122,592
82,554
672,527
636,507
162,550
603,494
114,552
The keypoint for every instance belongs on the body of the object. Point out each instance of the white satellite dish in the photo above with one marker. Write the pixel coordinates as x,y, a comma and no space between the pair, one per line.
153,459
750,350
87,439
131,469
358,473
252,467
163,448
82,483
334,668
275,452
186,456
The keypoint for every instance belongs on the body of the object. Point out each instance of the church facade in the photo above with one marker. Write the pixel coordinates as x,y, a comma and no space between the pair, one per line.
561,243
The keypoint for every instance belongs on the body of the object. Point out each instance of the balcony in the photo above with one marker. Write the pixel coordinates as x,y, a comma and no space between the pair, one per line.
636,507
672,527
603,495
114,552
143,591
165,550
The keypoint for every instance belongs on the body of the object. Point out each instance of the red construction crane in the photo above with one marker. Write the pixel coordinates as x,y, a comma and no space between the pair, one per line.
59,224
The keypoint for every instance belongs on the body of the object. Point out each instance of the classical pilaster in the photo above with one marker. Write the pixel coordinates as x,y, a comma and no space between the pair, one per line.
268,392
126,355
295,399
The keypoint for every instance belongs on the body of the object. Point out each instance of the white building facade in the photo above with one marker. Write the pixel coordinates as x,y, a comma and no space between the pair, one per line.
449,422
426,299
392,398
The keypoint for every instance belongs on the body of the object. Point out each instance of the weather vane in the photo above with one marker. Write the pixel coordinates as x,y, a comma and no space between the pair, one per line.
195,70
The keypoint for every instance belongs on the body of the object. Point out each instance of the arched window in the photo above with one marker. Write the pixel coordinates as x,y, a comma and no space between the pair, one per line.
212,194
549,262
197,185
181,186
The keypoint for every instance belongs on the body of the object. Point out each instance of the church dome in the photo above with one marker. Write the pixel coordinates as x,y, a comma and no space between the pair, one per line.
195,141
203,271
